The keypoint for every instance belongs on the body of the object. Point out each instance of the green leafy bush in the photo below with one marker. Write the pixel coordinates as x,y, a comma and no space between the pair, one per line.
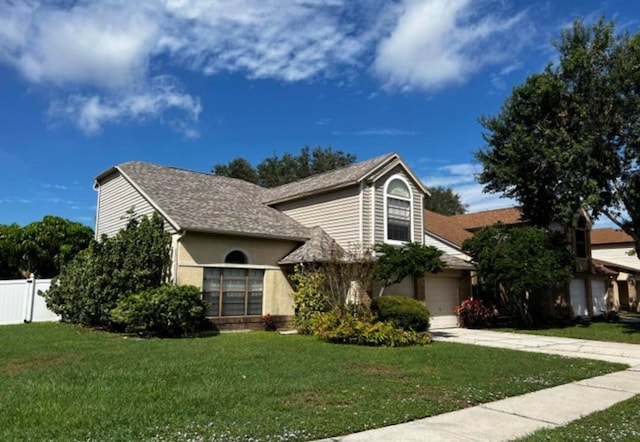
337,327
309,298
406,313
166,311
90,286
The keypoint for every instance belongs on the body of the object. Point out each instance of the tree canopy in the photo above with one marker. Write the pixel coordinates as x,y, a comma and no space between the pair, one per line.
521,259
412,259
42,247
569,137
275,171
444,201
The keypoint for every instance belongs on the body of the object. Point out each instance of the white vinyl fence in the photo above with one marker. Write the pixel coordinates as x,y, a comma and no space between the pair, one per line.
20,302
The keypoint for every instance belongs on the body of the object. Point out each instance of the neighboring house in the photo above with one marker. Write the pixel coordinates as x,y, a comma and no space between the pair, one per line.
591,290
237,240
616,250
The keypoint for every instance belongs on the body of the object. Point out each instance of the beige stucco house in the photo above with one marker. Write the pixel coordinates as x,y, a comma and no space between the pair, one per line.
234,239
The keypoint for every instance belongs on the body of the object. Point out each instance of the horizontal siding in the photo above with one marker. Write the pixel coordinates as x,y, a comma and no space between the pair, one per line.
617,255
418,229
446,248
337,213
367,198
115,197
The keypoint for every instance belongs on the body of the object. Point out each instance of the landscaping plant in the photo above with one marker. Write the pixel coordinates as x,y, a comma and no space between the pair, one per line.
403,312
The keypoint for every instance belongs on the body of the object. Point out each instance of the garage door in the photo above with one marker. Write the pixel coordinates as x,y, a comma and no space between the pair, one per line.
441,296
599,293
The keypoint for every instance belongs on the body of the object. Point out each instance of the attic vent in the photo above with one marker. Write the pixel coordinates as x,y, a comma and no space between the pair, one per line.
236,257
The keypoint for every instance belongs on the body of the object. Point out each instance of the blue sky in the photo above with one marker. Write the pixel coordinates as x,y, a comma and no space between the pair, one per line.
85,85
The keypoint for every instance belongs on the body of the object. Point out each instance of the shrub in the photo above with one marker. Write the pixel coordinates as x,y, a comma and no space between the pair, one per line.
338,327
475,313
166,311
90,286
309,298
403,312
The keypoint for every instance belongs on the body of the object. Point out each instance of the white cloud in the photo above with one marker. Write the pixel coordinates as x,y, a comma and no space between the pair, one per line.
440,42
91,112
461,179
94,43
100,59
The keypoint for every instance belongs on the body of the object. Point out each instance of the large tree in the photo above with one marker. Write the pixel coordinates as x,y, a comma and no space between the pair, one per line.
42,247
569,137
444,201
275,171
525,262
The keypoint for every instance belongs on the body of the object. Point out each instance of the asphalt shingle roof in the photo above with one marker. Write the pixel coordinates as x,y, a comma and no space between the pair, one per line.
609,236
337,178
209,203
319,248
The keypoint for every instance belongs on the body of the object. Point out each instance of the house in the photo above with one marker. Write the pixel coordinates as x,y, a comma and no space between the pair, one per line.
590,291
237,240
615,250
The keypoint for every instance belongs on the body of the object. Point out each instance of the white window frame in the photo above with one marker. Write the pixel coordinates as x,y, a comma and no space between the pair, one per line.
392,178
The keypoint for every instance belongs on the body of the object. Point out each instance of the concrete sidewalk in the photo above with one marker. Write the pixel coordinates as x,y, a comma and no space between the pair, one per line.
515,417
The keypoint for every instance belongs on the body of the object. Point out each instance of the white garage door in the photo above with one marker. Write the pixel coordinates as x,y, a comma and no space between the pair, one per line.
599,293
578,296
441,295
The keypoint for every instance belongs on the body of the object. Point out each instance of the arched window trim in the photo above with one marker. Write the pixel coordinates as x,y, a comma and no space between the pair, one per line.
581,235
392,178
237,250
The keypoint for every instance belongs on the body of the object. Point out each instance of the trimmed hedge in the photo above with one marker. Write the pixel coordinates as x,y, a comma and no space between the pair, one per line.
403,312
167,311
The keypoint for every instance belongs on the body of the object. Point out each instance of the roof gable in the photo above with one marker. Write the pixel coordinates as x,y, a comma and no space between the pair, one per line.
337,179
202,202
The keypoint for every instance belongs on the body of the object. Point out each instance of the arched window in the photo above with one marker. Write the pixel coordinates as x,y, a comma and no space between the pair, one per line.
398,216
236,257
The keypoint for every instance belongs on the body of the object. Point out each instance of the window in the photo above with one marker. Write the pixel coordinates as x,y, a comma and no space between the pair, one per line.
236,257
581,236
398,199
233,292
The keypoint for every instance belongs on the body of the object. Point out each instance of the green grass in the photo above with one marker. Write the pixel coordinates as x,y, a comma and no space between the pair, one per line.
618,423
625,332
62,382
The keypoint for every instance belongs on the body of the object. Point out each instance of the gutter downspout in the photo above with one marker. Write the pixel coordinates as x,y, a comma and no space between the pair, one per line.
175,242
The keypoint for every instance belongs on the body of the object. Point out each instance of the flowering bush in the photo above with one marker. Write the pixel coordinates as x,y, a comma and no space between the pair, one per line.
475,313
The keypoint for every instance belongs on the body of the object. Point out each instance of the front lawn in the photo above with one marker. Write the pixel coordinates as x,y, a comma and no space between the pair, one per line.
618,423
62,382
626,332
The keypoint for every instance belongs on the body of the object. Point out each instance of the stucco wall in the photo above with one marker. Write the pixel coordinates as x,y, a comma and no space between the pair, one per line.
197,251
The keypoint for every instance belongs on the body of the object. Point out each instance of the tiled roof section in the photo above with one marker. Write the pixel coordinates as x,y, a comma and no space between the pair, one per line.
319,248
326,181
477,220
613,267
208,203
603,267
609,236
445,227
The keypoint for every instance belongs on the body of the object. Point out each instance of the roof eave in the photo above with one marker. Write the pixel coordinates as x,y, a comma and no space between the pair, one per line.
247,234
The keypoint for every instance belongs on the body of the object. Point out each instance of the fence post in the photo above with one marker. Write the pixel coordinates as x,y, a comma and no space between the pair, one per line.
30,285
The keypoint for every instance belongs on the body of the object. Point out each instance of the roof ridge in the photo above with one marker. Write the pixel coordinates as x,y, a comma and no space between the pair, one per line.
359,163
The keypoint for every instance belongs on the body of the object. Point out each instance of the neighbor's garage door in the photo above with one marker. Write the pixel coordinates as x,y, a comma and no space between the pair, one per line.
441,296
